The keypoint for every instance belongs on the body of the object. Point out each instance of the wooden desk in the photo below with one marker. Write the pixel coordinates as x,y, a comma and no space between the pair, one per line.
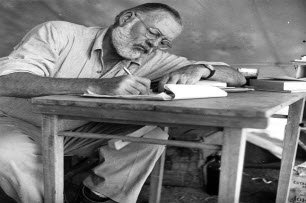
235,113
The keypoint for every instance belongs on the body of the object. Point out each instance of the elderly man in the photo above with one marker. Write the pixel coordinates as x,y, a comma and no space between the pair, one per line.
65,58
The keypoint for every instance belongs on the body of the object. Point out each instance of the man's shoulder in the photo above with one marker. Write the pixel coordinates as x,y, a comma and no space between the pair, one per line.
67,27
64,25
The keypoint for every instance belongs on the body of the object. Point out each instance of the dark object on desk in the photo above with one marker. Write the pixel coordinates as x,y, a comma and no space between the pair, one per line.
278,85
300,67
249,73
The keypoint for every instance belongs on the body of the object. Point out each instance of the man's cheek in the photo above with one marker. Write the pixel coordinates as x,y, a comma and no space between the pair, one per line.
135,32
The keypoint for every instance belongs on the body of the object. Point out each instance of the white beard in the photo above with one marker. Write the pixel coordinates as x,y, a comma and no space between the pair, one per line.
123,43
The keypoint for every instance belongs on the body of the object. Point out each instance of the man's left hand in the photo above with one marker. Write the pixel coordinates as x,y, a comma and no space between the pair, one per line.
186,75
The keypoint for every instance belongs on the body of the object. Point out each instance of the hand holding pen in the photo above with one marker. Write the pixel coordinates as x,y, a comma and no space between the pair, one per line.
121,85
141,81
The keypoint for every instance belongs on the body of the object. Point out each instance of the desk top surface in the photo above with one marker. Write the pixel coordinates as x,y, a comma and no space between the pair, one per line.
250,104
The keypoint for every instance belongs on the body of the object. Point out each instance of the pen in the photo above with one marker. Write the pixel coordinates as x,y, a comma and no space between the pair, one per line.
127,71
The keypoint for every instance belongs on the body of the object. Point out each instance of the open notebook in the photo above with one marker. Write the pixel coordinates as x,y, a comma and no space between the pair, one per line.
172,92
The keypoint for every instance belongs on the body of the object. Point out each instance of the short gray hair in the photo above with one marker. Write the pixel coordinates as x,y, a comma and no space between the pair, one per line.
149,7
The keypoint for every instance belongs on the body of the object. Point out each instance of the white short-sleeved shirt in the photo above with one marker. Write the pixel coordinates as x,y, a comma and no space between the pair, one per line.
64,50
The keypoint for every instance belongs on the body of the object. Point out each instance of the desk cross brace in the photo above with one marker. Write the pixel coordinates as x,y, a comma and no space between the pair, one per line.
176,143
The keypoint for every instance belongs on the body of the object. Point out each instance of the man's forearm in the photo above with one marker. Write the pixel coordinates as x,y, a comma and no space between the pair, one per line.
229,75
29,85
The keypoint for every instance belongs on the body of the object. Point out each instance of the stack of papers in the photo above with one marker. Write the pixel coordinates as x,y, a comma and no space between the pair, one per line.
300,61
280,84
172,92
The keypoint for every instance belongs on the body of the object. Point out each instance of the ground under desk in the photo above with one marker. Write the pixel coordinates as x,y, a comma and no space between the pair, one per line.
235,112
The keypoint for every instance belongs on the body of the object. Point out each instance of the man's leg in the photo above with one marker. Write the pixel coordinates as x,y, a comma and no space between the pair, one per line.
123,173
21,168
21,171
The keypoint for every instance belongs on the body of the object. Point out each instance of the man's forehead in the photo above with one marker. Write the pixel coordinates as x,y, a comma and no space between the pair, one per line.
157,16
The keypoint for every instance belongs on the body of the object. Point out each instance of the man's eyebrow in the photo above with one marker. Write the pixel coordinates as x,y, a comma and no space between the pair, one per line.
160,33
155,28
149,28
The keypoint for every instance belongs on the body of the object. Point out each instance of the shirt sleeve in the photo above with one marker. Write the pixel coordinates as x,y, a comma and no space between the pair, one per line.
36,53
164,63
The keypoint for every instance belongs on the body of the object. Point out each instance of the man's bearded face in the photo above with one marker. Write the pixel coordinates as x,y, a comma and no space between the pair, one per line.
130,40
125,44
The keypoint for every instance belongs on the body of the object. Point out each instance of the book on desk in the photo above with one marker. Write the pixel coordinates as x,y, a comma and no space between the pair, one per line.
174,92
280,84
202,89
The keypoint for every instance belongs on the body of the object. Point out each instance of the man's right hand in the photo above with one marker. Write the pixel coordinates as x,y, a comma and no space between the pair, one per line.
122,85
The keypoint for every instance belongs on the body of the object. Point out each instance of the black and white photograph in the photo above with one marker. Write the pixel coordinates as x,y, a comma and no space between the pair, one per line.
178,101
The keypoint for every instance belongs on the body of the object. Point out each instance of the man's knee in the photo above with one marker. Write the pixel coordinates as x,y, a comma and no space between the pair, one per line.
9,153
157,133
15,146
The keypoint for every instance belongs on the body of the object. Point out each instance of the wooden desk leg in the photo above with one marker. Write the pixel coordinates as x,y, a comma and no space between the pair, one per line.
290,142
234,141
53,160
157,177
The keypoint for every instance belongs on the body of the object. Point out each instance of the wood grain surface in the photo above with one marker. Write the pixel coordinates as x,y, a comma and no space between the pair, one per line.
251,104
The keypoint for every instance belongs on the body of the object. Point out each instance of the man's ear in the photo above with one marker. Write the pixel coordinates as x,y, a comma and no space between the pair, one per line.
126,18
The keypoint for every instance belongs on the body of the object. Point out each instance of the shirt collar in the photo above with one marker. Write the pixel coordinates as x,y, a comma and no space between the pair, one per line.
97,45
137,61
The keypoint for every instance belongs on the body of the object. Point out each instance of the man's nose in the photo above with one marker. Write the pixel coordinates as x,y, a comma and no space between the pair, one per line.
153,43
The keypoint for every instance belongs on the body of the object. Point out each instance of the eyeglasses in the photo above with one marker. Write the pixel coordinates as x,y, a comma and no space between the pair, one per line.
154,33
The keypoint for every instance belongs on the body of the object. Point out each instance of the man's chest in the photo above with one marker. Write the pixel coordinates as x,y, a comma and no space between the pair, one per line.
76,62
